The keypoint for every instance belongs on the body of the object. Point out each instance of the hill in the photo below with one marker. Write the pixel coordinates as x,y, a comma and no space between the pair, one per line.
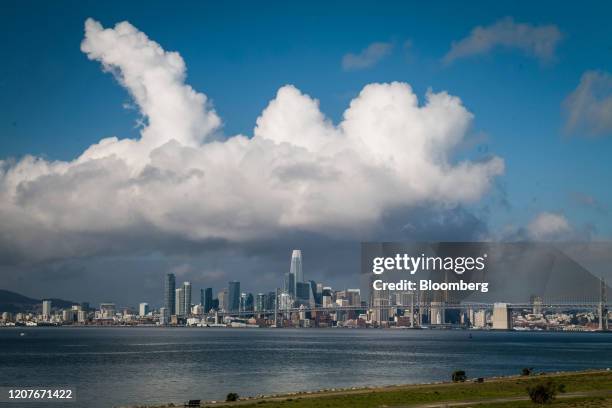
14,302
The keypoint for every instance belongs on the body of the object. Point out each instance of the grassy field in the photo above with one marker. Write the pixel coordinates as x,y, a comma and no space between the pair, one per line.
582,389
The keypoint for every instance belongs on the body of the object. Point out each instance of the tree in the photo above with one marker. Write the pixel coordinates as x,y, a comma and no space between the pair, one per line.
232,396
526,371
459,376
543,392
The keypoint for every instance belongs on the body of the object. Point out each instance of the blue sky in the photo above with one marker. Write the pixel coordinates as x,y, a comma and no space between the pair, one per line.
55,102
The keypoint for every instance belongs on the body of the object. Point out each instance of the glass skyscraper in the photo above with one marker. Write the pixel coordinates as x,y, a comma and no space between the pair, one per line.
169,294
233,302
296,265
187,290
208,300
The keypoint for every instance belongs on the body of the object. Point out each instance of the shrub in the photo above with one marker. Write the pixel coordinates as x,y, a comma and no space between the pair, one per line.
459,376
542,393
232,396
526,371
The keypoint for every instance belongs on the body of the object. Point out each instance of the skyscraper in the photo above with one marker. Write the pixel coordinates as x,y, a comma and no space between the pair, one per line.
143,309
233,303
46,308
187,289
208,300
179,306
296,269
169,294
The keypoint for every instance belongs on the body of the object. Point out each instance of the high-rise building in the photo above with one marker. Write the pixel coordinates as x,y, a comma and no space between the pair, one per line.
502,317
208,300
260,302
290,286
233,303
179,306
295,272
303,293
246,302
271,301
46,308
222,300
143,309
169,293
164,316
187,289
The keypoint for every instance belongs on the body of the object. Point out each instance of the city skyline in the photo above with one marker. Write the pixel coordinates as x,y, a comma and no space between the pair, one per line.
103,180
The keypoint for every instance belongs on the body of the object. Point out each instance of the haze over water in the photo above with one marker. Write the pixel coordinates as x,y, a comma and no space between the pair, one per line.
126,366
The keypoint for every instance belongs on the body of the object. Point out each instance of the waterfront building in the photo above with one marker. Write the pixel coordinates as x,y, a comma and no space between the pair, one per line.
233,296
260,302
436,313
107,310
164,316
303,293
502,317
46,309
143,309
480,319
81,316
381,309
187,290
170,293
179,302
270,301
222,300
208,300
354,297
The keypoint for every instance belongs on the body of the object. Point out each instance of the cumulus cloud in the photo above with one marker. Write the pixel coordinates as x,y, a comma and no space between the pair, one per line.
548,226
179,184
589,106
537,41
368,57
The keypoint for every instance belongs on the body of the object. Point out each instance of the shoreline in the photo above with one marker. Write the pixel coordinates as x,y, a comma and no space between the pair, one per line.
577,381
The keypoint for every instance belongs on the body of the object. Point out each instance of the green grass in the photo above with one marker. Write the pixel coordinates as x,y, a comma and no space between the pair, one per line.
469,391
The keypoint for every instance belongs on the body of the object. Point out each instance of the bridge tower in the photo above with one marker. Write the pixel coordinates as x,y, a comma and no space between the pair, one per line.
603,310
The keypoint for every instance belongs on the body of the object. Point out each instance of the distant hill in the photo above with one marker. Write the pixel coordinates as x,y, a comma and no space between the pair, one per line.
15,302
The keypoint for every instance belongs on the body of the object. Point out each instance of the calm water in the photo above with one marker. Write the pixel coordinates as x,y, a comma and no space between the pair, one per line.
123,366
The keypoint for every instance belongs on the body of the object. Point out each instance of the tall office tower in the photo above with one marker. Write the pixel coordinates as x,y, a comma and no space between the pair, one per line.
187,289
208,300
179,301
233,301
202,297
143,309
169,294
260,302
270,301
222,300
296,268
302,293
249,302
46,308
290,284
380,303
164,316
502,317
354,297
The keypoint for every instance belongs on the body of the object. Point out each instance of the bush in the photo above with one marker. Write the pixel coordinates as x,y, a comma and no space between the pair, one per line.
459,376
232,396
526,371
542,393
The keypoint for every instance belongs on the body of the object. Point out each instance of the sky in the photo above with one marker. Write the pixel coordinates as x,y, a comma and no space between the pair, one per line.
356,122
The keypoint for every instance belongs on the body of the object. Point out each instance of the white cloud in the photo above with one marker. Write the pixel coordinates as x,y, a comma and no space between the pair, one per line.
299,171
537,41
589,106
368,57
548,226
